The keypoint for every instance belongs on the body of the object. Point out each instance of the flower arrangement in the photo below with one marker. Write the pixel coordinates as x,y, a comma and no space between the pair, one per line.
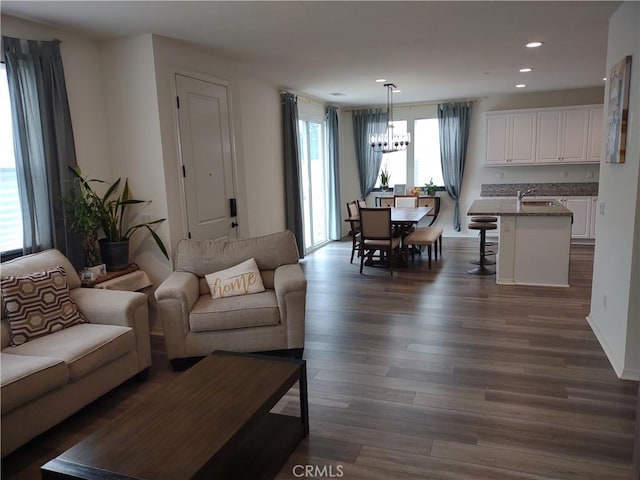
385,176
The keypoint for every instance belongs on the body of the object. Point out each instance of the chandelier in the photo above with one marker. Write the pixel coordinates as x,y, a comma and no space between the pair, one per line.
388,142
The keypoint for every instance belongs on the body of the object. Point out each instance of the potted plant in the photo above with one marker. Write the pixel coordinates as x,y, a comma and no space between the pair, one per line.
430,187
83,212
107,212
385,176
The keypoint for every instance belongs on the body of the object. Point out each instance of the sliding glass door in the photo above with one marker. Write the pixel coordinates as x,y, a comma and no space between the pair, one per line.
313,174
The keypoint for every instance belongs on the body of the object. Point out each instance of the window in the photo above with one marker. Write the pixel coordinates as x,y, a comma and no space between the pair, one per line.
313,173
10,212
395,162
426,147
417,165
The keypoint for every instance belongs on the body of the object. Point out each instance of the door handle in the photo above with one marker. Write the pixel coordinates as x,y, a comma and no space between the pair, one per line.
234,225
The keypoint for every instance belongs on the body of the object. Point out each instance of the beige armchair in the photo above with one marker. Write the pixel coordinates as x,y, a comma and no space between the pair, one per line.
195,324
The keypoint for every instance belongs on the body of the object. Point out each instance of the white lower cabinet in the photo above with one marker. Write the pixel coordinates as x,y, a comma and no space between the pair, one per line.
584,211
592,222
581,209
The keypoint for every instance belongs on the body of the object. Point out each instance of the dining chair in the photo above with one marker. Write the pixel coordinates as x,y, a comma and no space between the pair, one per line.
352,212
377,236
405,201
362,203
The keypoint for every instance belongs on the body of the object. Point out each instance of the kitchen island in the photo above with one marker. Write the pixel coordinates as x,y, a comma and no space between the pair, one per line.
535,240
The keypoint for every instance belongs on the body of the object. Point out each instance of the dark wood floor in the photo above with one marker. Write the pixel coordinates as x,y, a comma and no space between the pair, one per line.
431,375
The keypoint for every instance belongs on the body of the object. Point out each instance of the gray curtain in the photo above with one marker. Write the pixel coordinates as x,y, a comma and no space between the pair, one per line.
453,122
335,204
43,142
293,191
367,122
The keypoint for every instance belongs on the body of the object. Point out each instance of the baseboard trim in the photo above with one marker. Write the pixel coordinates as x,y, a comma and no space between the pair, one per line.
615,362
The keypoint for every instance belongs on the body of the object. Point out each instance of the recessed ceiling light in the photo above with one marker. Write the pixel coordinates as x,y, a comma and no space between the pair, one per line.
381,80
604,79
521,85
534,44
526,69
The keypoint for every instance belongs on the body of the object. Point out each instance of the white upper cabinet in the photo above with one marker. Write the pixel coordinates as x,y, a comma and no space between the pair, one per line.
510,138
575,129
549,136
544,136
594,147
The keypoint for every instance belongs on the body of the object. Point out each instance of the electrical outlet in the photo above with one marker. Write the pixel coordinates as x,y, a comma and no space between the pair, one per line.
500,175
565,174
604,301
590,173
601,208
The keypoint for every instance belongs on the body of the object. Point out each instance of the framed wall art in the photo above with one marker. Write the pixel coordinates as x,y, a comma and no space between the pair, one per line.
617,111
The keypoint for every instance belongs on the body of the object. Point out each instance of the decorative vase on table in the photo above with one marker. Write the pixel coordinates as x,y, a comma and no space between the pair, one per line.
115,255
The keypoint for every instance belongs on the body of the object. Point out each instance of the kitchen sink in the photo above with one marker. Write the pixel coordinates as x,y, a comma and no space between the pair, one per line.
538,203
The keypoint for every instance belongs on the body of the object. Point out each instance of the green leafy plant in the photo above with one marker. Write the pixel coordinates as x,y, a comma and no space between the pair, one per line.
93,212
385,176
83,214
430,187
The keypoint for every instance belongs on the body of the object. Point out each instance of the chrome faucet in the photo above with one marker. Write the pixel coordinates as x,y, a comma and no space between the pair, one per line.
521,195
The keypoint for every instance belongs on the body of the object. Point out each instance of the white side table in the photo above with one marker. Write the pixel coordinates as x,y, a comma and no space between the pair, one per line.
132,282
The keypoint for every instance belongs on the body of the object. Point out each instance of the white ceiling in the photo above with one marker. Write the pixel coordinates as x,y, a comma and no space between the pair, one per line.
431,50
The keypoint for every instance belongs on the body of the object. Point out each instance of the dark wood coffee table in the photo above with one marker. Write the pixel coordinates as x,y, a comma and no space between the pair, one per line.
212,422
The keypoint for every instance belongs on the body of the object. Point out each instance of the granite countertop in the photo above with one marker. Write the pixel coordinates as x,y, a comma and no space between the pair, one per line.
589,189
500,207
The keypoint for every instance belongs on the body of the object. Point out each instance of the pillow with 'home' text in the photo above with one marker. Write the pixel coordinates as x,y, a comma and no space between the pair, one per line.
242,279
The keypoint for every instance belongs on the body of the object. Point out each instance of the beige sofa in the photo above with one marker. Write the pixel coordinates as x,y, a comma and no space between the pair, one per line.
50,377
195,324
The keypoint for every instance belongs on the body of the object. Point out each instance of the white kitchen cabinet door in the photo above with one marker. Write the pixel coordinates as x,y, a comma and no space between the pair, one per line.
575,126
497,134
523,138
592,221
594,145
549,136
510,138
562,136
581,209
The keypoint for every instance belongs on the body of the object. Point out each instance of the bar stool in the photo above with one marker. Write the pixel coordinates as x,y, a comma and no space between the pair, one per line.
481,269
486,219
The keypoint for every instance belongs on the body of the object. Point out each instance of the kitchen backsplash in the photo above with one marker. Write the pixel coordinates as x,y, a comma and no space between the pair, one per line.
540,189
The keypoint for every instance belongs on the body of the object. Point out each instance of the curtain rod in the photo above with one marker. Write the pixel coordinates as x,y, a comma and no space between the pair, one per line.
305,97
416,104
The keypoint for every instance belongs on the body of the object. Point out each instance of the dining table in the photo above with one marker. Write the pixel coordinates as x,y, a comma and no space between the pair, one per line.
402,220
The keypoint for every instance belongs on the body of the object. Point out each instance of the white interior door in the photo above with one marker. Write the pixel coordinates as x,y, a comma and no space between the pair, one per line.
207,158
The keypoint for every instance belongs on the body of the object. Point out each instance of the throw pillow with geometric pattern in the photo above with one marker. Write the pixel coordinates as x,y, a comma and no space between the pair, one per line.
38,304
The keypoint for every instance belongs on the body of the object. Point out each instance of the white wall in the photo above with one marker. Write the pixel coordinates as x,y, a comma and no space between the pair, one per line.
263,157
134,135
255,112
616,270
475,173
